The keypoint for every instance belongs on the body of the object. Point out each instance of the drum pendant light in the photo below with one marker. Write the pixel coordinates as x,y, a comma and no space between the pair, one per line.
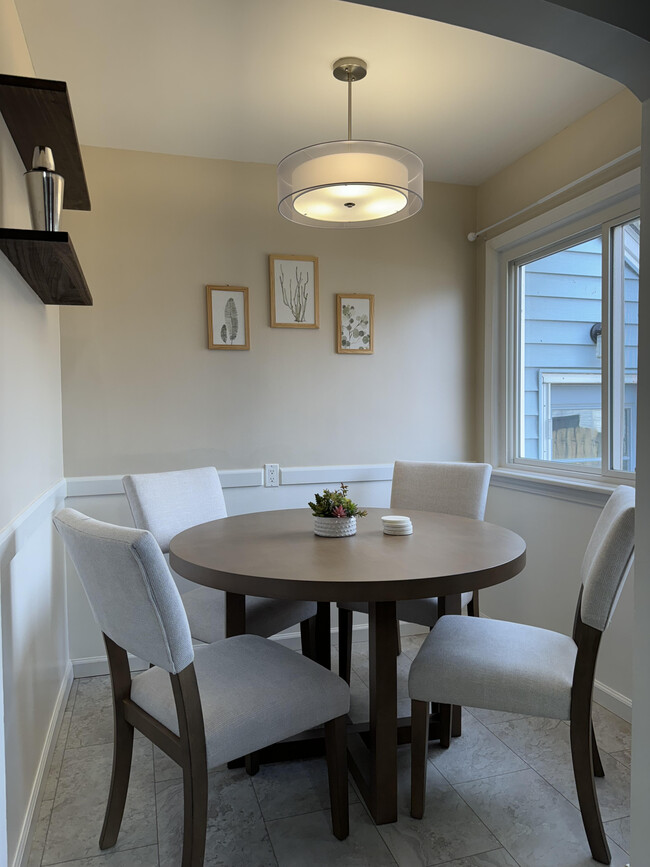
350,183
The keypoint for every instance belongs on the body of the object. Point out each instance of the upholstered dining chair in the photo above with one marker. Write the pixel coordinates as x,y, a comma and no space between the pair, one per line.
523,669
204,705
453,488
168,503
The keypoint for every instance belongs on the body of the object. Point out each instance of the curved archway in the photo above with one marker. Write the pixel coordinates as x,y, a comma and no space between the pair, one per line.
613,42
613,39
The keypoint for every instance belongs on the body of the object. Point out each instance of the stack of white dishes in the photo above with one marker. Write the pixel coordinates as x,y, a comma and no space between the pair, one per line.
397,525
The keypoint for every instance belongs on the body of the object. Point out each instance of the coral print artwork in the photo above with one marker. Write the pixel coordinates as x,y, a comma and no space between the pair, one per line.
294,291
355,324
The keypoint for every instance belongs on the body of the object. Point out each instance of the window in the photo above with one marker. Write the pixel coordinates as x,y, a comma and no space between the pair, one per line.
571,353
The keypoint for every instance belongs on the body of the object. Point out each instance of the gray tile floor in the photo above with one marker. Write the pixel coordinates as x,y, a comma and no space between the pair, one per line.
501,796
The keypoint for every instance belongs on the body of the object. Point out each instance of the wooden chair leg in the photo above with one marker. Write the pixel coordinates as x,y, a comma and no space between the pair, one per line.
472,605
195,814
445,725
122,743
419,745
308,637
122,754
252,764
581,753
599,771
195,767
337,771
345,644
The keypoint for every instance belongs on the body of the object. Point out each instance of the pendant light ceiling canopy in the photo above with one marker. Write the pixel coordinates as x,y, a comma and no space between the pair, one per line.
345,184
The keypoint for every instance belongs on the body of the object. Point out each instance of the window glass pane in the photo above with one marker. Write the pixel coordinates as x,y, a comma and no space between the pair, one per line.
624,344
560,414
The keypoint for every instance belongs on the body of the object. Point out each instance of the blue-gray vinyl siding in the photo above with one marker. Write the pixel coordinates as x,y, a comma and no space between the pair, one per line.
562,300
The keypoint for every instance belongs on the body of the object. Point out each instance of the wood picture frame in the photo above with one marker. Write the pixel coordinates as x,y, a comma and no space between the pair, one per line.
293,282
355,323
228,321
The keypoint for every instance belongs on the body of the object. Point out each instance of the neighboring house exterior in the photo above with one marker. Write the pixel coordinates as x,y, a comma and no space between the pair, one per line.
561,409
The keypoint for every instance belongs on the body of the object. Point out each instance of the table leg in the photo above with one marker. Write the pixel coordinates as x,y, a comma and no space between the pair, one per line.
451,605
383,712
323,635
235,614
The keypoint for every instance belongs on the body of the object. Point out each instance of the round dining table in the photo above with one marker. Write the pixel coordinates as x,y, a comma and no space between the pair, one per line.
276,554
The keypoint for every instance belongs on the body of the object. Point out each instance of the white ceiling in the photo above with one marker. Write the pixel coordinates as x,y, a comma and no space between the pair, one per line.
251,80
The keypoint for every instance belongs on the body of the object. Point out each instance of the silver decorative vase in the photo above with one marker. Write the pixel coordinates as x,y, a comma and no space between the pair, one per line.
44,191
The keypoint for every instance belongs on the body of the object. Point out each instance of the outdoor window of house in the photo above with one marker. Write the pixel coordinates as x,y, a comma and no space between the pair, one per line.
573,360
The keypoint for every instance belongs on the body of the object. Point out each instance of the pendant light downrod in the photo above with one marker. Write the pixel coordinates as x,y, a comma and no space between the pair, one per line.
349,69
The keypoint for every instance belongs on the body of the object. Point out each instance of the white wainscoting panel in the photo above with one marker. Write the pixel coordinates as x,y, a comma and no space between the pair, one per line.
370,484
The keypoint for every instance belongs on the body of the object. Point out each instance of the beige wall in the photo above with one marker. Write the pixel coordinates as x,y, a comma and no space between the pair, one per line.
33,621
557,532
602,135
142,392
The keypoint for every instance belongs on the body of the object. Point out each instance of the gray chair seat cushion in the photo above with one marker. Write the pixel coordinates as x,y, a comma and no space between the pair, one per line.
475,662
248,688
422,611
206,614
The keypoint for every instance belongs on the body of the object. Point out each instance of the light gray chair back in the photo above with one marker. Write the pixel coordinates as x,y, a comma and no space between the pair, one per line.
608,559
168,503
450,487
130,589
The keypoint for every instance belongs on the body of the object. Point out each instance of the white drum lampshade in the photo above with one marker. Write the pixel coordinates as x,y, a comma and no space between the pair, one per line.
350,183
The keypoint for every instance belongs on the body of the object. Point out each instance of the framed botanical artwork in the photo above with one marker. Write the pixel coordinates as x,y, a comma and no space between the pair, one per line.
294,291
228,317
355,324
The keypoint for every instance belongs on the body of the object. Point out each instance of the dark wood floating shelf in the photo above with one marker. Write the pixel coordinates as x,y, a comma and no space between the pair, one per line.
38,112
48,262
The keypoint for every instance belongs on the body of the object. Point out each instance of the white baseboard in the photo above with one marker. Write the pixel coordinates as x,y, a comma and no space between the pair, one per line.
92,666
31,815
619,704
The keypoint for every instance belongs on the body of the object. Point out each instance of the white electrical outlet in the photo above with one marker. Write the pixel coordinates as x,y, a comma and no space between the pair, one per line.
271,475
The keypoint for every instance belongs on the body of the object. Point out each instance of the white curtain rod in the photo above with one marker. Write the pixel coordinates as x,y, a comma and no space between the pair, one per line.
472,236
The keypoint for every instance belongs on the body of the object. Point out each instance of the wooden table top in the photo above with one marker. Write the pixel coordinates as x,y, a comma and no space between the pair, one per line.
276,554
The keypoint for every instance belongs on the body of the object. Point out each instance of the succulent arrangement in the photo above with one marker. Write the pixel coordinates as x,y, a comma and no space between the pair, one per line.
335,504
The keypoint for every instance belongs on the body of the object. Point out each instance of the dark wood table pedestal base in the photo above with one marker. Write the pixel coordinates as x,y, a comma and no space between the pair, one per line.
372,746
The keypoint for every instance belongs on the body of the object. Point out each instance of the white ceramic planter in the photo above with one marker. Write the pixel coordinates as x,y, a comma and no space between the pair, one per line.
335,526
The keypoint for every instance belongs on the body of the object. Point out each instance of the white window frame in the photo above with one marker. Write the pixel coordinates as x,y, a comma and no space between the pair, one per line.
583,217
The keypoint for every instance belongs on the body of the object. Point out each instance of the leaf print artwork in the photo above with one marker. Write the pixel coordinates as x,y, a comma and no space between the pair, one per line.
232,321
228,324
